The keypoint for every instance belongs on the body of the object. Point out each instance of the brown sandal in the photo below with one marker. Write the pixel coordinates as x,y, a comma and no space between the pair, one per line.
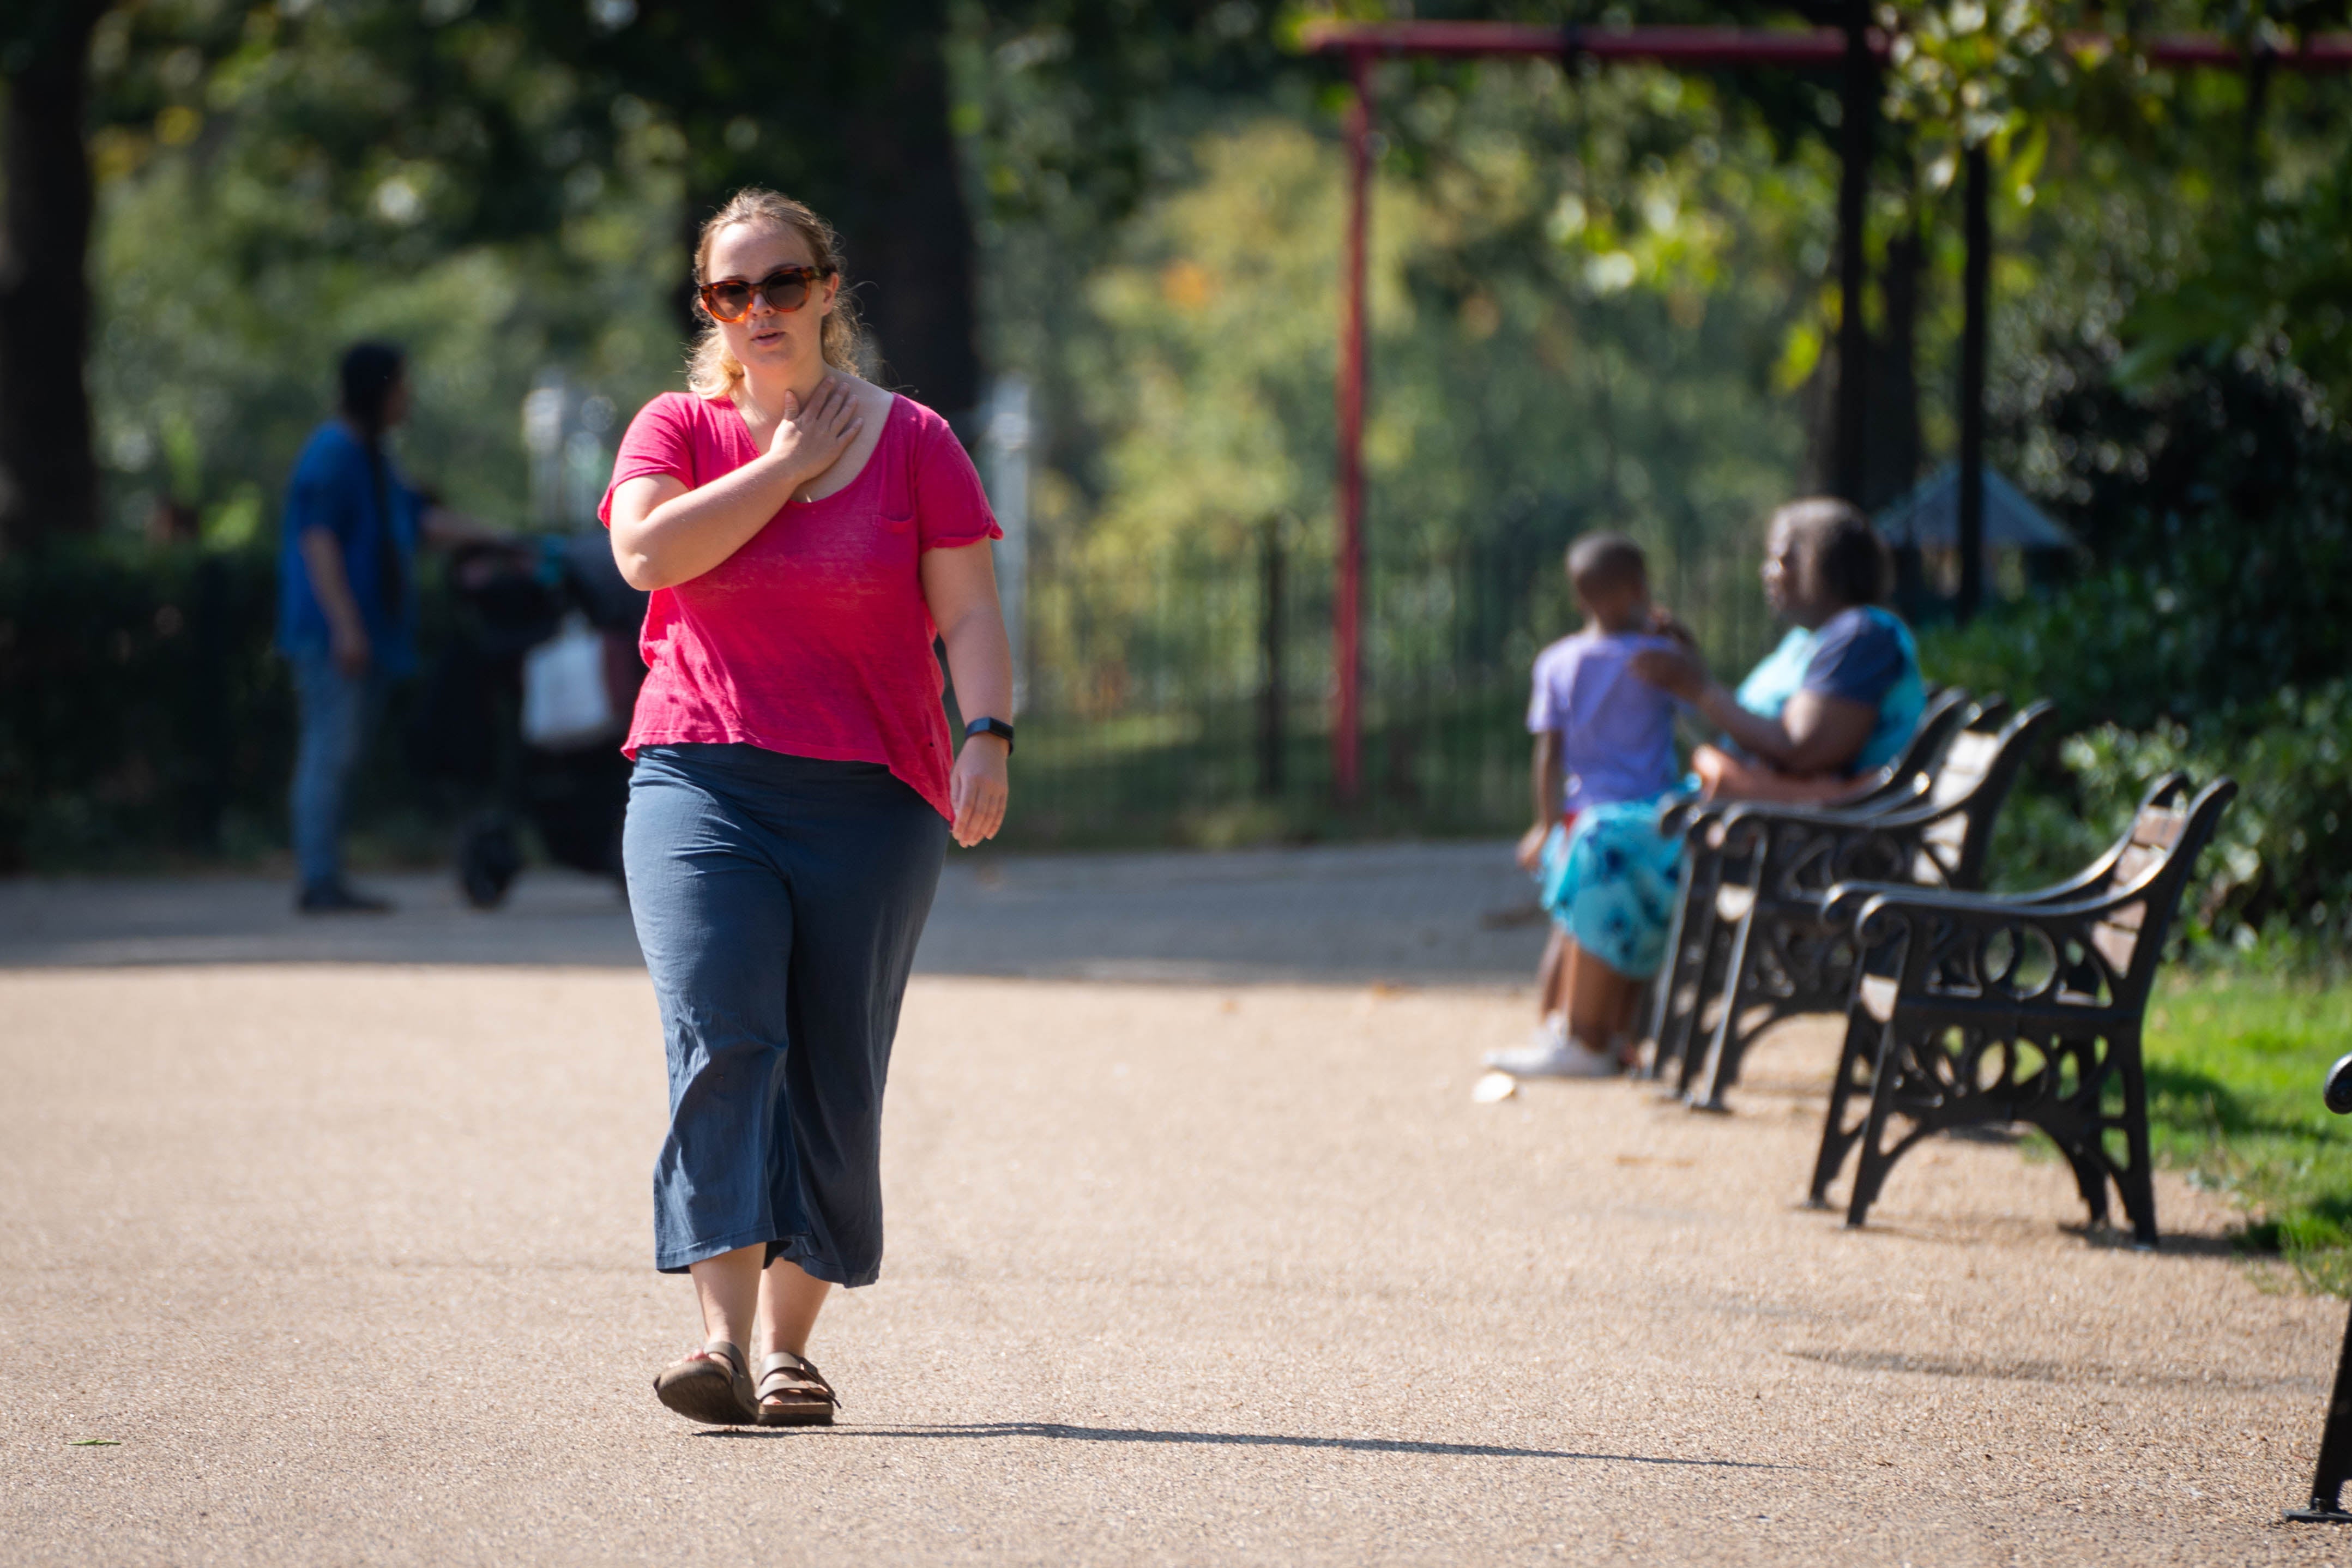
793,1393
712,1385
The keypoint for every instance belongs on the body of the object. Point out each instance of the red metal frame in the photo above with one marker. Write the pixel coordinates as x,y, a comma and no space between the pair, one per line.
1688,48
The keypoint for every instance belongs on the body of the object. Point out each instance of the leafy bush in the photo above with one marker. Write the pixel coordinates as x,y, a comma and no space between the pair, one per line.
2280,870
2212,638
2217,504
2282,858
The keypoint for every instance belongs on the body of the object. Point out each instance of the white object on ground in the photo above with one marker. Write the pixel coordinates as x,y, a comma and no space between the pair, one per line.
1494,1087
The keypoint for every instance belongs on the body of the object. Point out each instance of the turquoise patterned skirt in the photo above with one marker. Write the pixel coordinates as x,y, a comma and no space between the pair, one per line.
1609,880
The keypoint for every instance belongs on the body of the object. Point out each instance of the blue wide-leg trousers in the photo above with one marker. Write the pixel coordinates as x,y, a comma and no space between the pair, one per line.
778,901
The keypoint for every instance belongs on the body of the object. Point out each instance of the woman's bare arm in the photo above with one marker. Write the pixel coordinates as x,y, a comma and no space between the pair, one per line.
960,586
1815,734
1725,777
664,534
322,558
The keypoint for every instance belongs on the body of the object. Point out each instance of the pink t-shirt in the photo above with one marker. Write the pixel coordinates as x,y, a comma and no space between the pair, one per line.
814,638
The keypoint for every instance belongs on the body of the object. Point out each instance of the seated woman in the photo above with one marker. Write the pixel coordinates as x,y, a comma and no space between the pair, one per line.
1839,696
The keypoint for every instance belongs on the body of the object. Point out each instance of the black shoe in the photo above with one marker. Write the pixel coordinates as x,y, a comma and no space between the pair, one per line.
337,898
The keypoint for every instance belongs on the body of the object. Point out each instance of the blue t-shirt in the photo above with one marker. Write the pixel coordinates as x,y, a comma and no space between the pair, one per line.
1863,655
1616,729
332,489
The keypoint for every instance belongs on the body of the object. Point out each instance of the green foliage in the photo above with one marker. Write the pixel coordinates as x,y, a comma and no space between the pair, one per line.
2278,878
275,184
207,378
1578,298
2280,870
2283,854
2213,640
2283,291
2234,1071
1967,70
414,129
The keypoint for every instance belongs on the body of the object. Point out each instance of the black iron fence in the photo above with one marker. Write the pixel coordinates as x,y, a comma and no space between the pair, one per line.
1185,695
1176,696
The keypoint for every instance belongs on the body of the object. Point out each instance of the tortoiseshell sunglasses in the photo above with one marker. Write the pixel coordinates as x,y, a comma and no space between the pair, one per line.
787,289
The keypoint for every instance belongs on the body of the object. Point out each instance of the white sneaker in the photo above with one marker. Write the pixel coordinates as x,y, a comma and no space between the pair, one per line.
1553,1058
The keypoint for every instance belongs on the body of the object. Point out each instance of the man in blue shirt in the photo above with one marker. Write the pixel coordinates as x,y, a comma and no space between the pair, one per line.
347,604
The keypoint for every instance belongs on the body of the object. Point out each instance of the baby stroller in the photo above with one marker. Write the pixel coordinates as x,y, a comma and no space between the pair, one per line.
524,711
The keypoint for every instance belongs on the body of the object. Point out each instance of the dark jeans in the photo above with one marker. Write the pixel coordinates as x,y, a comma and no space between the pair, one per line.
778,901
336,712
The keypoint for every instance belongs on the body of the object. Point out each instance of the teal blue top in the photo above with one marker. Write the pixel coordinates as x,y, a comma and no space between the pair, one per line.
1863,655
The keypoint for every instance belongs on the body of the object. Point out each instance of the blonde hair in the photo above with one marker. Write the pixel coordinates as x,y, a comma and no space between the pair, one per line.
710,370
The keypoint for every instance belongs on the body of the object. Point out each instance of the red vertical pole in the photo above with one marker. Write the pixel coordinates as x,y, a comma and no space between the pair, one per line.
1347,609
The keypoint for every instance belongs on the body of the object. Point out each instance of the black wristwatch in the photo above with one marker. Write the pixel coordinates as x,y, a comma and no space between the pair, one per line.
996,727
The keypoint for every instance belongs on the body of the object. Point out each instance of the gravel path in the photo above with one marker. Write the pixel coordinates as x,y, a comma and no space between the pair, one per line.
351,1263
1442,913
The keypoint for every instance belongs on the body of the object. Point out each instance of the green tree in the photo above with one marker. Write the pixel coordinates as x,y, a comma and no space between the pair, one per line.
47,477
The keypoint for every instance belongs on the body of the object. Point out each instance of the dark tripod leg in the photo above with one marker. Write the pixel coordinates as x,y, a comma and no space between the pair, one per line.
2334,1466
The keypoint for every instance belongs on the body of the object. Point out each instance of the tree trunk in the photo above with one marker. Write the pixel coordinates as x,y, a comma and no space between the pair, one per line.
48,481
1859,89
908,233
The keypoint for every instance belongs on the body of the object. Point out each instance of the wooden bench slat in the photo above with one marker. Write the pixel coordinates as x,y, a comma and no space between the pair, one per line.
1966,761
2115,944
2133,863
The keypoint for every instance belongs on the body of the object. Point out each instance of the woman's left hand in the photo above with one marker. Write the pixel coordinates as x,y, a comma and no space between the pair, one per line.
1713,767
977,789
1663,622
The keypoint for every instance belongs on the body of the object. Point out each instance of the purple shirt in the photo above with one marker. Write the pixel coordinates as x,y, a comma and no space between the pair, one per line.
1616,729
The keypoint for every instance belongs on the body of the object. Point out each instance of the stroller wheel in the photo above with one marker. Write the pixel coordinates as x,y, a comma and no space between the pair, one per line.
489,861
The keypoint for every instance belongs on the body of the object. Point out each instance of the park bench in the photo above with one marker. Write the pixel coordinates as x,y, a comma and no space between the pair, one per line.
1981,1009
1698,945
1785,957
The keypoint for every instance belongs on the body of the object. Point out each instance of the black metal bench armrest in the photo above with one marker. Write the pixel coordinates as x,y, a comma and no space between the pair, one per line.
1843,903
1754,814
1912,806
1898,782
1850,904
1685,812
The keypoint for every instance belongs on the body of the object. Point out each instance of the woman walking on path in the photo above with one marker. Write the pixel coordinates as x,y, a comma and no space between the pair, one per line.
805,535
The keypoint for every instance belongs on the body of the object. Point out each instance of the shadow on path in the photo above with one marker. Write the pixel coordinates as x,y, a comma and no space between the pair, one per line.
1239,1439
2023,1370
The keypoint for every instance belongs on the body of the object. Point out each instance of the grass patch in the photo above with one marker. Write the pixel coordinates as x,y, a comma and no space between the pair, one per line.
2235,1062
